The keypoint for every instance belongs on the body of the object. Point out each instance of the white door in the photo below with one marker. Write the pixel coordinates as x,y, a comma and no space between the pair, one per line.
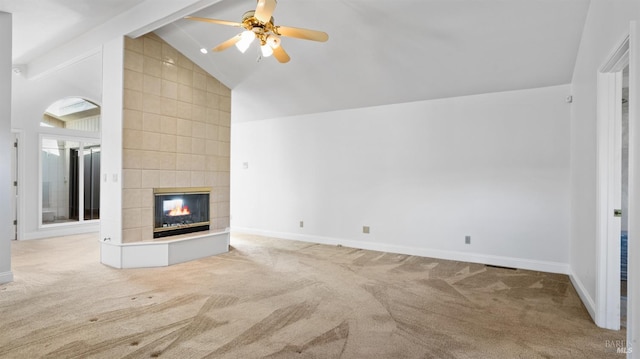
609,200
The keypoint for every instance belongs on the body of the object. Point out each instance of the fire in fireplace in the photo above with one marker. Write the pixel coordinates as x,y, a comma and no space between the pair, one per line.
180,211
175,207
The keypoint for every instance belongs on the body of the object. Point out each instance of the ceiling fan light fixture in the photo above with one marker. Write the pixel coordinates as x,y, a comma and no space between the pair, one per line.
246,38
273,41
266,50
259,24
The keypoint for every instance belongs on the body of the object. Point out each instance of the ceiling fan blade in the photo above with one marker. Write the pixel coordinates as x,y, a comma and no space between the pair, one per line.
214,21
281,55
232,41
264,10
304,34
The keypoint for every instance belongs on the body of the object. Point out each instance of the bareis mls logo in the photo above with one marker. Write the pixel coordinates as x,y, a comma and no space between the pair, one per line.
620,346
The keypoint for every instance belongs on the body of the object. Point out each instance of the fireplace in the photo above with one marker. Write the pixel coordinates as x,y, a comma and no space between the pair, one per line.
180,211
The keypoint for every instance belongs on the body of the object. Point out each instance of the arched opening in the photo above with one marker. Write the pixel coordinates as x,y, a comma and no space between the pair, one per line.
69,163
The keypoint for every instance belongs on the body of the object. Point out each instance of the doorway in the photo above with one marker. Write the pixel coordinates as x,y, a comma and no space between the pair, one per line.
613,183
88,183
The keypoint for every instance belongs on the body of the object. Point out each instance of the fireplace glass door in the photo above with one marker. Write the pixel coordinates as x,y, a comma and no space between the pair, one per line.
180,212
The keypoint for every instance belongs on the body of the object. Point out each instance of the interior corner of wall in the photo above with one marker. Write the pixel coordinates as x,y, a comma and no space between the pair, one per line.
584,295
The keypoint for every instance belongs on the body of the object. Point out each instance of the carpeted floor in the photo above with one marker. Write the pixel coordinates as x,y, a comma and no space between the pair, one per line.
285,299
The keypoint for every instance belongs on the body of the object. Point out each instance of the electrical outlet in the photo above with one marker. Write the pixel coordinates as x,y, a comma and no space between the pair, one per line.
365,229
467,239
301,224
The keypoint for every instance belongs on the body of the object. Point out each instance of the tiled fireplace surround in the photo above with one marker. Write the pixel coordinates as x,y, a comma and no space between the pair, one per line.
176,133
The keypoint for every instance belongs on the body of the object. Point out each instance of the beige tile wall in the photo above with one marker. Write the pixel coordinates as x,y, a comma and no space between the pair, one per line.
176,133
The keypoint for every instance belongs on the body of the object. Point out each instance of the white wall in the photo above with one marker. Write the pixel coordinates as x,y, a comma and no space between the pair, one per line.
6,189
606,27
111,160
422,175
30,100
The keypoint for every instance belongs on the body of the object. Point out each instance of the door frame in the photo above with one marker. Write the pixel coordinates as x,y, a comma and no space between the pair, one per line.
18,168
609,117
633,268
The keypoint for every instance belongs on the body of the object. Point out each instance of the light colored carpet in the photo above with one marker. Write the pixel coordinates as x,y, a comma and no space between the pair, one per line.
285,299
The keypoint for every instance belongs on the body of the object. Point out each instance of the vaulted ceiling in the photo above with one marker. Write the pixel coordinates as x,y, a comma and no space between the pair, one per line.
379,51
41,25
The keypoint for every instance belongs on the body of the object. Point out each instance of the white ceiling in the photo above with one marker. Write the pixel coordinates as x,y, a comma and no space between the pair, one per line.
379,51
41,25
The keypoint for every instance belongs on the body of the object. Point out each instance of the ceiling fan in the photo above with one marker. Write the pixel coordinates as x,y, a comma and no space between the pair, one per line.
258,24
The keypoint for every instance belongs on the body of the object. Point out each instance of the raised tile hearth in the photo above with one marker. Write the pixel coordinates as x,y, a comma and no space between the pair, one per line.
178,249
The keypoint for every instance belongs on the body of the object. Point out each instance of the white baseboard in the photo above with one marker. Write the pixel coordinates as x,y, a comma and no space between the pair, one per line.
521,263
6,277
59,230
588,302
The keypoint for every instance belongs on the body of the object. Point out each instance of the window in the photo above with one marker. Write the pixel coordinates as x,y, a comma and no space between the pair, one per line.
70,180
